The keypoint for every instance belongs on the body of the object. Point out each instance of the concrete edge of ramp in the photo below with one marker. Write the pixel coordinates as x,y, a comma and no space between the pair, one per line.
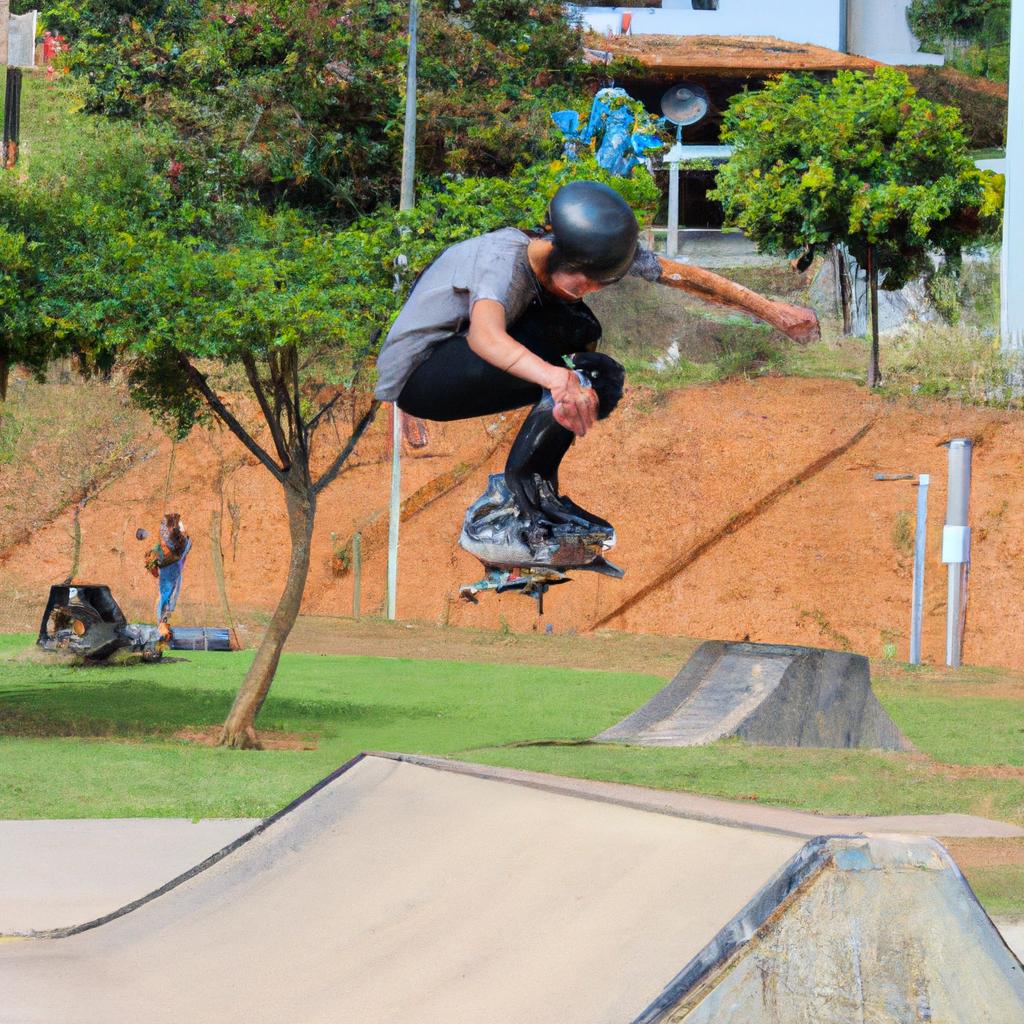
720,963
807,863
720,811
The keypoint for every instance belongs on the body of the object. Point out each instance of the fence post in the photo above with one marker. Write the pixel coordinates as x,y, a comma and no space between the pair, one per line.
357,575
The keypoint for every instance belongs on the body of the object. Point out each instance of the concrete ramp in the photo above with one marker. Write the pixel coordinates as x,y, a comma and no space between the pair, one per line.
853,929
764,693
397,891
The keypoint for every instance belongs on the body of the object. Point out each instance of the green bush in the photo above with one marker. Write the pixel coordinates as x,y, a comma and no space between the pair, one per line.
984,21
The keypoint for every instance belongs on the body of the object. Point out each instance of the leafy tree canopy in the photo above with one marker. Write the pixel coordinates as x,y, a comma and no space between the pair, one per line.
303,100
860,160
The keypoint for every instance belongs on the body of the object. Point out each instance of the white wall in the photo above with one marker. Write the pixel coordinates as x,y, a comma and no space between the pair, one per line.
879,29
875,25
798,21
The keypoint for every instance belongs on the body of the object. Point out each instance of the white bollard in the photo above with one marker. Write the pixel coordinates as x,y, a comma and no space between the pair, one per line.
956,545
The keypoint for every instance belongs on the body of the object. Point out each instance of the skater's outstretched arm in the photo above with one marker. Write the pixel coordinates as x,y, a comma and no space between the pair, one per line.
799,323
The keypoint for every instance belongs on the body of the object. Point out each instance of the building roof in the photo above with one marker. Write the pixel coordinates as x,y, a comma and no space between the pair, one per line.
723,56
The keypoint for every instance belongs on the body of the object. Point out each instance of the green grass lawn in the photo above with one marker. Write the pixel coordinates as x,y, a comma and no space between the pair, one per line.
97,741
100,741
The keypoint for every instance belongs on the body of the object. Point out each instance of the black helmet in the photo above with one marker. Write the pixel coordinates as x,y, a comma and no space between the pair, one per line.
594,229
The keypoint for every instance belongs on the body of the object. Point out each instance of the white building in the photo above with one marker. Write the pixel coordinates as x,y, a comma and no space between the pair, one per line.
871,28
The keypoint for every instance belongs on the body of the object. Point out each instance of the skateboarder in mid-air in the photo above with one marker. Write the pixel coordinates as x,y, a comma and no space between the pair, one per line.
497,322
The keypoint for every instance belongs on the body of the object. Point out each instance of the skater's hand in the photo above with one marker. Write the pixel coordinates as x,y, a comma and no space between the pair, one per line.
575,405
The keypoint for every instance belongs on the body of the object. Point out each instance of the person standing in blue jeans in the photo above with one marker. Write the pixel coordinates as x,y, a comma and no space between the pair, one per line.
166,561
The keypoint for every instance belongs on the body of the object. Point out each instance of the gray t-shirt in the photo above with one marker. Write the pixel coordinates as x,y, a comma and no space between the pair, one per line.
492,266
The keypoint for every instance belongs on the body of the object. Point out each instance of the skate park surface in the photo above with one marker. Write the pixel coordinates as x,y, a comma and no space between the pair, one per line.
419,888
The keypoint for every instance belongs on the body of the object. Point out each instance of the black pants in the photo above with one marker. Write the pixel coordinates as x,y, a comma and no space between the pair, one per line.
454,383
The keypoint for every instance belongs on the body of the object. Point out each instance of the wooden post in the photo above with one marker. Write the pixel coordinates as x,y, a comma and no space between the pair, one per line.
5,28
357,575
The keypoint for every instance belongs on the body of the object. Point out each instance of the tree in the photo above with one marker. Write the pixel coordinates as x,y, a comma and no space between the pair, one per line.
973,34
20,330
227,308
860,160
935,21
301,101
286,308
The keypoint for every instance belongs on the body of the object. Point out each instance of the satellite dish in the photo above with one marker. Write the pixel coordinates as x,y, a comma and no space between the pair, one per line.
685,104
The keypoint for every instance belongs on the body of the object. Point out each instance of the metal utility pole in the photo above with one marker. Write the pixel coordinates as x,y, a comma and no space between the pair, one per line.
1011,295
920,536
408,196
407,201
956,545
395,509
672,158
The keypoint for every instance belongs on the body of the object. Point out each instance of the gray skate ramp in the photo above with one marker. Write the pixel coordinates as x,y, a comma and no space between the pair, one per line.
396,891
59,873
854,929
764,693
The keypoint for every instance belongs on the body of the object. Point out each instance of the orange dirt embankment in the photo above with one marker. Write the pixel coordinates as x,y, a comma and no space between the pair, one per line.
744,509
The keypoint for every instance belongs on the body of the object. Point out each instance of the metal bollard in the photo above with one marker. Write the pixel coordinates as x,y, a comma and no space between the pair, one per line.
920,536
956,545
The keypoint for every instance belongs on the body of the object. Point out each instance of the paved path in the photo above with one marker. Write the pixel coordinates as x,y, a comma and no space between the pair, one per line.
54,874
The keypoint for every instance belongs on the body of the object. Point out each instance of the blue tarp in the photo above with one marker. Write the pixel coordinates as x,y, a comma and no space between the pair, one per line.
618,146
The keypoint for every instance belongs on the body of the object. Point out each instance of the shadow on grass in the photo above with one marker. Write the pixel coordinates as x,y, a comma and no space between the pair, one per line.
135,709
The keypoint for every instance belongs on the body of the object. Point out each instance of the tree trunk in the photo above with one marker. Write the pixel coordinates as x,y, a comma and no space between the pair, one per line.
76,540
874,371
239,729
